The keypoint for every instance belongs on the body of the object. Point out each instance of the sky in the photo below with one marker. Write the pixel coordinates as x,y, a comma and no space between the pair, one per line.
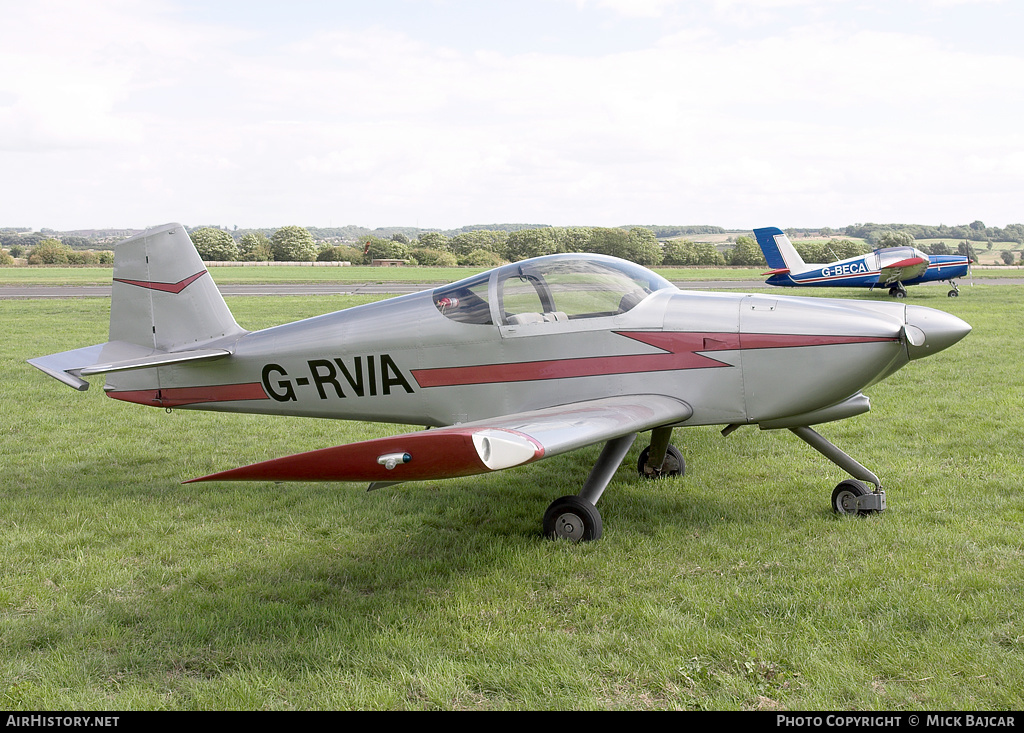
440,114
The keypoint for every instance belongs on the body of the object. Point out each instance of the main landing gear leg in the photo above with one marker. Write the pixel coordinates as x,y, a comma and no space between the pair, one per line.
851,496
576,517
661,459
954,290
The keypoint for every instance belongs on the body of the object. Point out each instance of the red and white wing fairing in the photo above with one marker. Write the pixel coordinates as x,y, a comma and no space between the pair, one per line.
471,448
906,269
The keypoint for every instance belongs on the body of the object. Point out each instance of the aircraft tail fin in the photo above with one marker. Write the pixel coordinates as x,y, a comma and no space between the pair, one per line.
779,252
163,297
164,309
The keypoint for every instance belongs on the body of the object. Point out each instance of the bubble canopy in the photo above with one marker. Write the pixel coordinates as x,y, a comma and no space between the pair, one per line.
553,288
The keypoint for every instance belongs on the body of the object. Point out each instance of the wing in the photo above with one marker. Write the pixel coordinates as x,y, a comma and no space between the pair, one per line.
906,269
471,448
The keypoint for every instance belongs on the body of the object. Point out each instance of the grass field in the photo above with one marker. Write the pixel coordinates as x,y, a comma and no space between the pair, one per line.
289,274
286,274
734,587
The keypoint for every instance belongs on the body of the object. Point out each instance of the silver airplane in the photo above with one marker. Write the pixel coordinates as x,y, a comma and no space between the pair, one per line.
523,362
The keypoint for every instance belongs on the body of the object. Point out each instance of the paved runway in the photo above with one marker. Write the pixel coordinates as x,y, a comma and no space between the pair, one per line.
8,292
13,292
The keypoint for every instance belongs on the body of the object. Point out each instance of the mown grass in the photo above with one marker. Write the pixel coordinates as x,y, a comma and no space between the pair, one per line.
55,276
734,587
292,274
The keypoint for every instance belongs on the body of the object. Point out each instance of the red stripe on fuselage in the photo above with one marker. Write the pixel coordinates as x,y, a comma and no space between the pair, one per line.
680,351
163,287
178,396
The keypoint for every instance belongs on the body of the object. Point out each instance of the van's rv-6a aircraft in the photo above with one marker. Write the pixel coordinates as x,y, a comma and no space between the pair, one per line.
523,362
889,267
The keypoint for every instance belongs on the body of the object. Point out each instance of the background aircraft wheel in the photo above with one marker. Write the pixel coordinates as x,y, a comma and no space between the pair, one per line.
572,518
674,464
844,497
953,294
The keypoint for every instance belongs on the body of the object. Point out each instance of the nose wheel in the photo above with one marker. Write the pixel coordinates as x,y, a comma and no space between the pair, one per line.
855,498
851,496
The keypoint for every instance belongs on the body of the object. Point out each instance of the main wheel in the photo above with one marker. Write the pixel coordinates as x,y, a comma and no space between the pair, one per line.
953,294
674,464
572,518
845,495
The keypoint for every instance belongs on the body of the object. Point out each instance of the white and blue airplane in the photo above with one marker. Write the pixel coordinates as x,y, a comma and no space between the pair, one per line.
889,267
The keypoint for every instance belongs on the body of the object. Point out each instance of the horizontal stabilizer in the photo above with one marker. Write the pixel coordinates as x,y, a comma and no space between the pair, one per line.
155,360
65,366
471,448
114,356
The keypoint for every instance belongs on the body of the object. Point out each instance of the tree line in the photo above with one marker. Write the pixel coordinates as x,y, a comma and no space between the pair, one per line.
976,231
492,245
477,248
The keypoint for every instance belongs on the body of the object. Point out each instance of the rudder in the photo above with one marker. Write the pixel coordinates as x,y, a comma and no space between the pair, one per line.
162,295
778,251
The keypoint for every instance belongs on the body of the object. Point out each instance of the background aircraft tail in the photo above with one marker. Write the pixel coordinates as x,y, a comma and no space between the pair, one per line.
778,250
163,297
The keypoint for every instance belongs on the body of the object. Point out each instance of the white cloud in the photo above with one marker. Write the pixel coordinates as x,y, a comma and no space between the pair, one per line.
134,113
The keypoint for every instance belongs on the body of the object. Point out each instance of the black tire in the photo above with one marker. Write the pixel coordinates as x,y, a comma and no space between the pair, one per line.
572,518
952,294
674,464
845,495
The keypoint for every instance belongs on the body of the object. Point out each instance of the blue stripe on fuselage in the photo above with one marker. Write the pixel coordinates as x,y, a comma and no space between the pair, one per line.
940,268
